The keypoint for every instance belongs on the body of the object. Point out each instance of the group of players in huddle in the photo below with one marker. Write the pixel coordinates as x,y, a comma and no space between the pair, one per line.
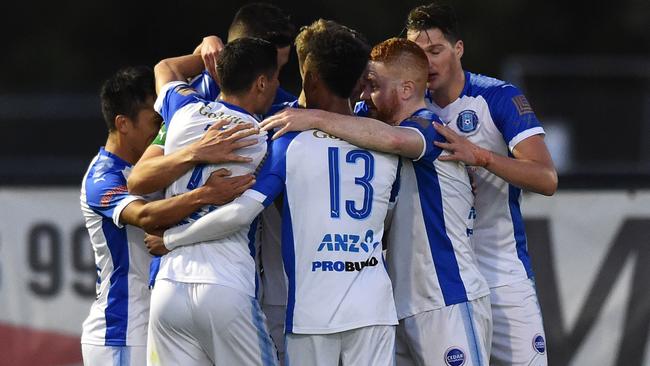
310,230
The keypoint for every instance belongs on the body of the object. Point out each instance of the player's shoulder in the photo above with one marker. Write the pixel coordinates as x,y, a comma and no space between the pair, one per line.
421,119
488,87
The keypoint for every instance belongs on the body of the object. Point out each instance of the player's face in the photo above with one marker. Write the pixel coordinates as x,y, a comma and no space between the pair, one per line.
444,57
380,93
144,128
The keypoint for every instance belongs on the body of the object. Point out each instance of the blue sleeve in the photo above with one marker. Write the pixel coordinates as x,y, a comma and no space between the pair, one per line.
425,128
272,177
511,112
205,85
361,109
275,108
106,193
283,96
174,96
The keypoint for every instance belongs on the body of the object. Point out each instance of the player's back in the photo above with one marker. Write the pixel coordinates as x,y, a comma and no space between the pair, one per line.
119,314
229,261
430,258
337,197
496,116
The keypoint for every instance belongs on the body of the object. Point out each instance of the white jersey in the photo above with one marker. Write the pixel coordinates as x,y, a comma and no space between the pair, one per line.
495,116
430,258
229,261
336,197
120,313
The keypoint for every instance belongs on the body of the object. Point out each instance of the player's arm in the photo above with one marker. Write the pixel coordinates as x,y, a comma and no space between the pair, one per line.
155,170
158,215
531,168
209,50
360,131
177,69
218,224
236,215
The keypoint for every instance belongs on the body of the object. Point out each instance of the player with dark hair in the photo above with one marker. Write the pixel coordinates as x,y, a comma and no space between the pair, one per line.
340,306
115,331
491,126
156,170
203,307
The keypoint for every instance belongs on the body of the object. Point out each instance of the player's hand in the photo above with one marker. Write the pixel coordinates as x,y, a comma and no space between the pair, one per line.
220,188
210,49
218,145
155,244
290,119
460,148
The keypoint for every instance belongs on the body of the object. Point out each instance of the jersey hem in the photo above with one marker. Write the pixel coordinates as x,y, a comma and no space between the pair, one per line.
512,280
342,328
429,307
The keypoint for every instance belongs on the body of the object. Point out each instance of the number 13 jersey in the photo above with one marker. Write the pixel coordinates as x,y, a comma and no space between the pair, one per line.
336,197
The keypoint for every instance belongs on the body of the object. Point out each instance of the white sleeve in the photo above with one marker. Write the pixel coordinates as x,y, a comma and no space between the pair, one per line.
218,224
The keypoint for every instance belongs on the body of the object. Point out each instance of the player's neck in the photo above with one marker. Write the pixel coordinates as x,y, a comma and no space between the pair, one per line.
334,104
447,95
118,147
243,101
407,109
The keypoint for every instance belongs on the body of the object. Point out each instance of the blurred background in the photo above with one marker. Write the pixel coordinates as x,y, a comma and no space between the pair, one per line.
584,66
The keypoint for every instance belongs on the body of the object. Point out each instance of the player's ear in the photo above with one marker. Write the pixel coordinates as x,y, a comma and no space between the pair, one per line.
459,48
122,123
407,89
310,80
262,82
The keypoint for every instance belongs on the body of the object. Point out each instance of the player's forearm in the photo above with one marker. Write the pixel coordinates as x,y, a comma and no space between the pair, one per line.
154,173
370,134
161,214
177,69
527,174
218,224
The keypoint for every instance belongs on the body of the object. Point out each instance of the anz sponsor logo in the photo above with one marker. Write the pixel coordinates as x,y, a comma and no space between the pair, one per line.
346,243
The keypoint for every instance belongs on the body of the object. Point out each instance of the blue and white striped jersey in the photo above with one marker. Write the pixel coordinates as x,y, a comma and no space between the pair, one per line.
336,197
120,313
430,258
496,116
229,261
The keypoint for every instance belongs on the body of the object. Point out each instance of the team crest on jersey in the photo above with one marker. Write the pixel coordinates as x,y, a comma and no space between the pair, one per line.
467,121
454,356
539,344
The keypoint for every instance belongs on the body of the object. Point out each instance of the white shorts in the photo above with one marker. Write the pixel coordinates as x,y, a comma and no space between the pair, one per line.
205,324
275,315
455,335
113,355
518,337
366,346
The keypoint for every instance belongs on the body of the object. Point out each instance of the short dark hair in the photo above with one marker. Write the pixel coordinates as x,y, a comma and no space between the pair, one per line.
434,15
126,93
265,21
242,61
339,54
